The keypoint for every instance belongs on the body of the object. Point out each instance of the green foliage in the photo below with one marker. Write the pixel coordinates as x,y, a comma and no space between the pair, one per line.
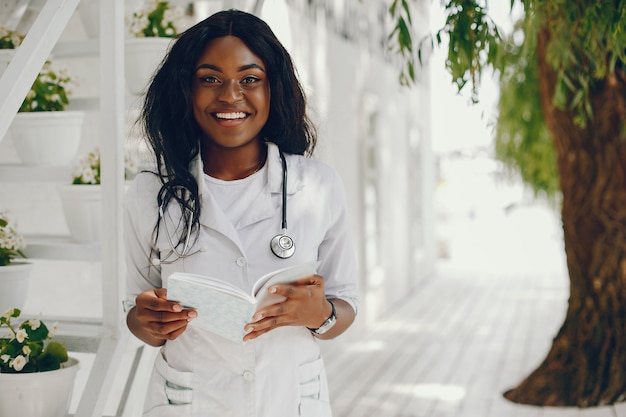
402,32
10,39
586,48
157,19
523,141
11,242
49,92
25,349
586,45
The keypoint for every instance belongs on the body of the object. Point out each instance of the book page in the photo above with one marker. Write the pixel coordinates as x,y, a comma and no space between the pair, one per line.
220,309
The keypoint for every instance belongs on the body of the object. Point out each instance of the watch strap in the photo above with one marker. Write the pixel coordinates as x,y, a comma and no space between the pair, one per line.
328,324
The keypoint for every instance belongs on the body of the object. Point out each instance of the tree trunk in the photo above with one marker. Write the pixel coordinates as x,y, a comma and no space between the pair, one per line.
586,365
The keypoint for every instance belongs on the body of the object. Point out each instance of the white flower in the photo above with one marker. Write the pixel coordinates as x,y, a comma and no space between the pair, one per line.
7,314
21,335
5,358
18,363
87,176
34,323
26,350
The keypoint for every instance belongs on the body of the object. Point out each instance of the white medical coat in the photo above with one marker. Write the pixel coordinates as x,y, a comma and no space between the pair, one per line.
281,373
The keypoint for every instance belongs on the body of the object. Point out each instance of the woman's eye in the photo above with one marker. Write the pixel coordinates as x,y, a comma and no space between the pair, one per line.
249,80
209,79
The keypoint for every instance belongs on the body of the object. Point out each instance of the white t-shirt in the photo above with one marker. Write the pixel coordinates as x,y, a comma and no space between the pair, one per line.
236,197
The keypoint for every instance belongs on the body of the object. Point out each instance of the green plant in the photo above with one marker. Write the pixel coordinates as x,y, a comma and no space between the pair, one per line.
10,39
28,348
87,169
11,243
49,92
157,19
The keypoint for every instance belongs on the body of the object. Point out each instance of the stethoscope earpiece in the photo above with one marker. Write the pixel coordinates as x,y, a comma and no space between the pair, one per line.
282,246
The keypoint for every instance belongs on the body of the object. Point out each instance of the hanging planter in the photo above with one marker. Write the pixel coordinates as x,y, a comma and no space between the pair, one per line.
44,133
50,138
141,59
9,40
89,12
82,208
152,28
14,276
36,375
14,282
39,394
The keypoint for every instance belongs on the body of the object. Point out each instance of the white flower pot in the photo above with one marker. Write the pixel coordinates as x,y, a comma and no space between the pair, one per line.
89,12
38,394
141,59
14,280
82,207
6,55
47,138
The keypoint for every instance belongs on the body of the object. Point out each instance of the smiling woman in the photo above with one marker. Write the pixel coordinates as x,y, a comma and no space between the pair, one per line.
225,117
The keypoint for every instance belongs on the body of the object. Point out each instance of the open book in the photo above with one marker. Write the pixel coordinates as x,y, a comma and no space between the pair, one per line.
224,308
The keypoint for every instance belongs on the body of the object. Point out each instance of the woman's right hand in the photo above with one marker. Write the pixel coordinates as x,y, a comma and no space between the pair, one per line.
155,319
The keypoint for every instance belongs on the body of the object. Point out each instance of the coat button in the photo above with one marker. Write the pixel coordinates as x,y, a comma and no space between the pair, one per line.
241,261
248,376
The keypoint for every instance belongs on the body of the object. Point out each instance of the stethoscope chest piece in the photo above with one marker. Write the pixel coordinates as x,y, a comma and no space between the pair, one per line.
282,246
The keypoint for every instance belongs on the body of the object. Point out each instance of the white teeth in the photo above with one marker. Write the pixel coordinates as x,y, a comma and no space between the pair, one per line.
237,115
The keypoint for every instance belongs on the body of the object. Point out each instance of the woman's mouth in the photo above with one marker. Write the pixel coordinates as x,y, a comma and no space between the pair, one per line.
231,116
230,119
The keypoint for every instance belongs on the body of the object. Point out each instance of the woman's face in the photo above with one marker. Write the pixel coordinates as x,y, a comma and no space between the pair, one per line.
230,93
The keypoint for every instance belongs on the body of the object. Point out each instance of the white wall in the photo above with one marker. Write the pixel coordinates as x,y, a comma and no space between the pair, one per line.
347,83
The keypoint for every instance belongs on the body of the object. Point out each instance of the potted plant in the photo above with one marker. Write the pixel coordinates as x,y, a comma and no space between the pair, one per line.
44,132
151,29
36,374
9,40
14,275
82,200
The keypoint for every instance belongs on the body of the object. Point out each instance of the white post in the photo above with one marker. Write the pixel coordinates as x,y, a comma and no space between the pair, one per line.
30,57
112,113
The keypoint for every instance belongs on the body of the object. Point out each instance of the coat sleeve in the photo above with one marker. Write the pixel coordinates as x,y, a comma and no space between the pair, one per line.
139,220
337,253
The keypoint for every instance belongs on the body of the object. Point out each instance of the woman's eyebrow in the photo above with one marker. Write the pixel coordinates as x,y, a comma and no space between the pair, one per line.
241,68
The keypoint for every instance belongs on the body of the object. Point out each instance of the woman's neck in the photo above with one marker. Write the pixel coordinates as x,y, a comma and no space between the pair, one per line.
230,164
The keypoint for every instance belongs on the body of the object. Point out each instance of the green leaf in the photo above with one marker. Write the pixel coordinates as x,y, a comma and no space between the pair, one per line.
52,358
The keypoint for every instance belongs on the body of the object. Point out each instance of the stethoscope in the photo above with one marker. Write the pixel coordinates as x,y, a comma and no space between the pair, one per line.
281,245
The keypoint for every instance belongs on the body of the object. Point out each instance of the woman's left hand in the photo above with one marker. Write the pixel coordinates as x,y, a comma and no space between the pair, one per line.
305,305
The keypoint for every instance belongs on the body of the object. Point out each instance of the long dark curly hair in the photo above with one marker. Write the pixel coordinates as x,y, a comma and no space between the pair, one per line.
168,121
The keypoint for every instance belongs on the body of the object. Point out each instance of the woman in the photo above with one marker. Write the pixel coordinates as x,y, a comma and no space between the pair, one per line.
221,112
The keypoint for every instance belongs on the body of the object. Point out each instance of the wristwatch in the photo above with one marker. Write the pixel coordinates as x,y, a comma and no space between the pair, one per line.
328,324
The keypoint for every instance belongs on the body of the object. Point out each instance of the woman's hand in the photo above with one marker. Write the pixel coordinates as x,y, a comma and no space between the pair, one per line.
306,305
155,319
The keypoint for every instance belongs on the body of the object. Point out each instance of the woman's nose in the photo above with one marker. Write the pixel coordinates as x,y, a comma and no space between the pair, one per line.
231,92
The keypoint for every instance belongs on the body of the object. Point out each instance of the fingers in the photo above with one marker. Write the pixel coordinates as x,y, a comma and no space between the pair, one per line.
162,318
304,305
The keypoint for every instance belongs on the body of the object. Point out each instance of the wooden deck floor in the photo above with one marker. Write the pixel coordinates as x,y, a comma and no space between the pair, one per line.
452,348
